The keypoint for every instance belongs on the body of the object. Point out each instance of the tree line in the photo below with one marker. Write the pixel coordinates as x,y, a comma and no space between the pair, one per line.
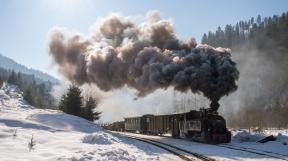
256,30
260,47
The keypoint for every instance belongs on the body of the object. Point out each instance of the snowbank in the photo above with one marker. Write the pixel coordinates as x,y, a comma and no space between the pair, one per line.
244,136
65,122
100,138
241,136
282,138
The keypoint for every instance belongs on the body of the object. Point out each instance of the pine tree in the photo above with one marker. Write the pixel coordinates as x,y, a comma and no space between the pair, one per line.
71,102
12,78
258,20
28,97
1,82
228,36
19,80
88,111
62,103
204,39
39,102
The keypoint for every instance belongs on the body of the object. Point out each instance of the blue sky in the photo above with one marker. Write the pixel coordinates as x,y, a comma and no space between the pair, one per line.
24,23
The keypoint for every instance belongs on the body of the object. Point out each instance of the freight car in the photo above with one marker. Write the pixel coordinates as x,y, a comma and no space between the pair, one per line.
133,124
138,124
204,126
156,125
149,124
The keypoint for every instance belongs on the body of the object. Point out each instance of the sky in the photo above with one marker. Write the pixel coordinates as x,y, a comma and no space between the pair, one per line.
24,24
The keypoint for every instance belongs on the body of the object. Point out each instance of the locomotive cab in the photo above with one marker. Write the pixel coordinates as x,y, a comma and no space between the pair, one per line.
204,126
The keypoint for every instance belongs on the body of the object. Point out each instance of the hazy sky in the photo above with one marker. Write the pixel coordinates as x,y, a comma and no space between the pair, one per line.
24,23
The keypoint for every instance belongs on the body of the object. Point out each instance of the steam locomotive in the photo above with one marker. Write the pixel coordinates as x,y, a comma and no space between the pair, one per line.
205,126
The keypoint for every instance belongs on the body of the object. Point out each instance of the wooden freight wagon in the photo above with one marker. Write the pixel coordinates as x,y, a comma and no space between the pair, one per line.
161,124
133,124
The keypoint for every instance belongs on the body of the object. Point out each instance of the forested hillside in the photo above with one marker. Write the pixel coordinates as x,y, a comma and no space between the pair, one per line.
260,47
36,91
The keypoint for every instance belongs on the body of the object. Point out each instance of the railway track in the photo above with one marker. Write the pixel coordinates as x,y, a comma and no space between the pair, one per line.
269,152
256,151
181,153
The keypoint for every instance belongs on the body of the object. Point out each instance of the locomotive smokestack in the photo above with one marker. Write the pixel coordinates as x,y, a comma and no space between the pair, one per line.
214,105
145,56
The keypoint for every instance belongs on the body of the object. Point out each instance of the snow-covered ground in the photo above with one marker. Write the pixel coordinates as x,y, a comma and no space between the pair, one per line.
58,136
242,138
223,153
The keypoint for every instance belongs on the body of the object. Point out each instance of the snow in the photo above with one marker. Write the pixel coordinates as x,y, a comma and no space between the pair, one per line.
100,138
63,137
222,153
245,139
244,136
60,136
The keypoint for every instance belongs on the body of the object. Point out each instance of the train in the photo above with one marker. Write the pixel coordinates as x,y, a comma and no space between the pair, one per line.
204,126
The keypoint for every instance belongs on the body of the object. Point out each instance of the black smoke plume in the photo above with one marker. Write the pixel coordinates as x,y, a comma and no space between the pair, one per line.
145,56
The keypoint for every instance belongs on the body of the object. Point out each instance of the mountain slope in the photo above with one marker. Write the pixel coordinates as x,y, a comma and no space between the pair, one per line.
10,64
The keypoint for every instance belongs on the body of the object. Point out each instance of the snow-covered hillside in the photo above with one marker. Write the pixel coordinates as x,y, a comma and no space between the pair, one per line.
58,136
